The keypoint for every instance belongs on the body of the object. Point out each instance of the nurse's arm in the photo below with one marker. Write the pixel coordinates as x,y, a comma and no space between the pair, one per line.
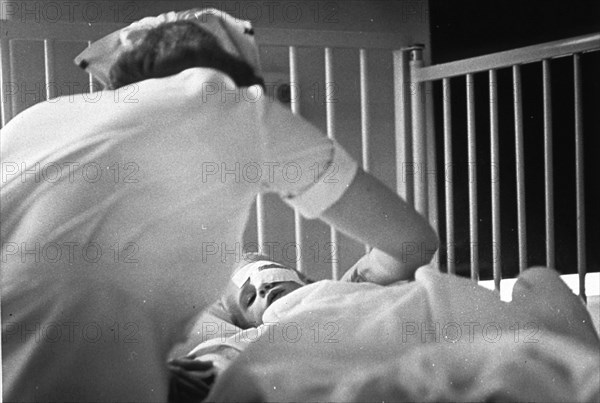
371,213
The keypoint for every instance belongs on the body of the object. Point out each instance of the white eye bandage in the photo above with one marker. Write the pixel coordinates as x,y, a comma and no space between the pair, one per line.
258,276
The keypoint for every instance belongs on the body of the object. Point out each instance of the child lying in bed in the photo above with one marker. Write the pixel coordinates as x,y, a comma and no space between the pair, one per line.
255,285
259,281
438,338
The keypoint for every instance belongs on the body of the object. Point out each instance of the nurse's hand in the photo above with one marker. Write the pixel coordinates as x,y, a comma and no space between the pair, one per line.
190,379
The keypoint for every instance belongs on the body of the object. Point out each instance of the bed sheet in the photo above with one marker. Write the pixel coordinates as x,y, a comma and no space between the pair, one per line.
439,338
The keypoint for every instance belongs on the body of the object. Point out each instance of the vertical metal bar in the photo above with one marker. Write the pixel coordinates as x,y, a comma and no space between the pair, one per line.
579,174
13,79
403,118
5,82
49,69
6,108
431,171
91,78
495,180
260,210
91,83
448,175
520,167
260,222
330,110
548,164
295,105
419,138
364,109
364,114
472,161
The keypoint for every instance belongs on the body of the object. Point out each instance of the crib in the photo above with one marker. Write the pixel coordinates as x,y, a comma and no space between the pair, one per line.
378,95
424,162
423,145
415,129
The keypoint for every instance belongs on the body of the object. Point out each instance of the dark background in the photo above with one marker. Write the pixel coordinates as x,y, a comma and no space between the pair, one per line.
467,28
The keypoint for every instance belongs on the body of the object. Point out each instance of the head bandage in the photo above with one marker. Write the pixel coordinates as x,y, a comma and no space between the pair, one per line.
235,37
258,276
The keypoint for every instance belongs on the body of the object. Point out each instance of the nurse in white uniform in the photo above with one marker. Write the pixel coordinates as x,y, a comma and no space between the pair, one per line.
107,202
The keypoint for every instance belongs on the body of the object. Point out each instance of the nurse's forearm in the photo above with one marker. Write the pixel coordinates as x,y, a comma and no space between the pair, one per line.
373,214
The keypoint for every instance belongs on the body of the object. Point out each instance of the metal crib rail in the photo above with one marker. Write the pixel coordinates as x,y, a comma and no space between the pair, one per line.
528,54
412,74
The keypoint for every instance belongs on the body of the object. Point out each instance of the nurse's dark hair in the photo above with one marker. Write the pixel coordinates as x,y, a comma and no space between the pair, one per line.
173,47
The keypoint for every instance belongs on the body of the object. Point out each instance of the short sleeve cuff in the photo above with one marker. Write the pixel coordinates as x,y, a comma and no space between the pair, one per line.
329,187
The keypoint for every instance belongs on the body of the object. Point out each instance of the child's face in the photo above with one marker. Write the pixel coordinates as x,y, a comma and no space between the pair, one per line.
252,290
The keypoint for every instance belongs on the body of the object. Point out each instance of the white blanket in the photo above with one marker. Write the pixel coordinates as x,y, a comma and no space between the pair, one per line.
438,338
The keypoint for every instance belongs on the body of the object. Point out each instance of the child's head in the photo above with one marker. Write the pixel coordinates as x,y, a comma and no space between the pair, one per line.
256,283
173,47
